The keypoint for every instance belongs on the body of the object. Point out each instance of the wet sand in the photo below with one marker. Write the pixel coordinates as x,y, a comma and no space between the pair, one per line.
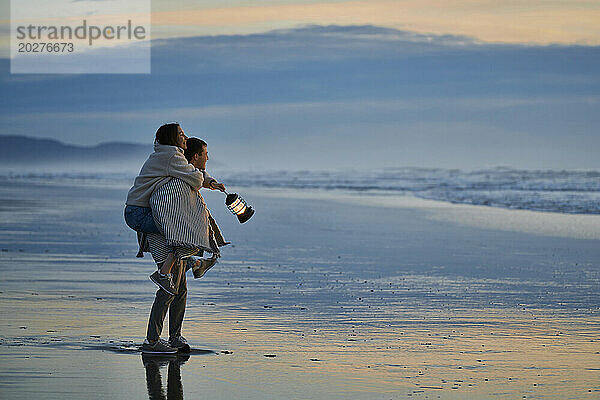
322,295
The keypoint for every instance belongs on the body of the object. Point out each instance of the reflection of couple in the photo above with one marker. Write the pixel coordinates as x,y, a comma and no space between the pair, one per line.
154,378
173,223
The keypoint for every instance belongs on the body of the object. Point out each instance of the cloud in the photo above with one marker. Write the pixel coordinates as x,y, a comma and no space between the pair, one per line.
246,112
493,21
315,86
332,43
540,21
325,62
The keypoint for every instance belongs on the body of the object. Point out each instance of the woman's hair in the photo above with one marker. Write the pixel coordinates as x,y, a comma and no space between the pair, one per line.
194,145
167,134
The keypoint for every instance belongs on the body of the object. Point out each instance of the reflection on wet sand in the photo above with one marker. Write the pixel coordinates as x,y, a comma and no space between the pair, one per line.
153,365
320,303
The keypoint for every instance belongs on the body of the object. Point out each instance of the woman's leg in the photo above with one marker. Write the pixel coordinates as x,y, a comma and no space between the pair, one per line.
162,253
168,264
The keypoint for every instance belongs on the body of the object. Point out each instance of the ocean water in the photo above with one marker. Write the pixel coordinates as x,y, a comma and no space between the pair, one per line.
573,192
347,300
560,191
68,214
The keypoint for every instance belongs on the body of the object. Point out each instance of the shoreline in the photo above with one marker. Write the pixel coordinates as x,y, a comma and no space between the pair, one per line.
577,226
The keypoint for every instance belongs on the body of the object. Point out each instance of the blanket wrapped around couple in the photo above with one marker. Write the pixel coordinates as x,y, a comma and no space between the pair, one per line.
182,216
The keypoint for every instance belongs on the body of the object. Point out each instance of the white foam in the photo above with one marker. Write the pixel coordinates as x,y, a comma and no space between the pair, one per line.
536,222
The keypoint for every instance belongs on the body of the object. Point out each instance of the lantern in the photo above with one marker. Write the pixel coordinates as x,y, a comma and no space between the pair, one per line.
238,207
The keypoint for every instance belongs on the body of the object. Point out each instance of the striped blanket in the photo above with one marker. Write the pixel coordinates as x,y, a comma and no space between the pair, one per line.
182,216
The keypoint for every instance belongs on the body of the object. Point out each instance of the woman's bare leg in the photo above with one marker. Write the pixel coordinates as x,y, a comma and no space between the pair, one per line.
168,264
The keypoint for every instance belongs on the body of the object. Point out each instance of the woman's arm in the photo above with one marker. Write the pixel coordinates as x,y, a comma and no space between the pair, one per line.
179,167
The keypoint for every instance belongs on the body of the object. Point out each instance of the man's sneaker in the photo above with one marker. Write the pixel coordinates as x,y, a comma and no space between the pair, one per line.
165,282
180,344
159,347
203,265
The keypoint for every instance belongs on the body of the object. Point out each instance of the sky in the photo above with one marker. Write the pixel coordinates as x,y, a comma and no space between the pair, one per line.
342,84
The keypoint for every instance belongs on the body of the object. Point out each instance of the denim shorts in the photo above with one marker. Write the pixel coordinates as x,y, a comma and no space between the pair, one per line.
140,219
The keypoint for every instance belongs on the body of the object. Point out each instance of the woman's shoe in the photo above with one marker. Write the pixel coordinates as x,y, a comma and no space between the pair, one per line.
205,265
165,282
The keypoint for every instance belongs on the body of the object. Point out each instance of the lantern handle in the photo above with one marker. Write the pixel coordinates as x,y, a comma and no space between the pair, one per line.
211,185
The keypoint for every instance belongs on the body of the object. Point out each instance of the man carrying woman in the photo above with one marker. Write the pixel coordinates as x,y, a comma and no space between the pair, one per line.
174,225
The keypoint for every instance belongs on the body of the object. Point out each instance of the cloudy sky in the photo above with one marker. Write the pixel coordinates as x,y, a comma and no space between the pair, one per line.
307,84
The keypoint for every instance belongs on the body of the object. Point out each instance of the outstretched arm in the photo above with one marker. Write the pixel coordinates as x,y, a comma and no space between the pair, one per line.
217,185
212,183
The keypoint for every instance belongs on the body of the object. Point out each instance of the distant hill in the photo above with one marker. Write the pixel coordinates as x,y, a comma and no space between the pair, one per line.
28,150
28,154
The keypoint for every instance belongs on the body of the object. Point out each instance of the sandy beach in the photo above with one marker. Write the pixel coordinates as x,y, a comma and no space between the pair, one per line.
322,295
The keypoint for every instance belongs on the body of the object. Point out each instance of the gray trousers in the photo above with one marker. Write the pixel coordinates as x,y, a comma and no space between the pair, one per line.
175,304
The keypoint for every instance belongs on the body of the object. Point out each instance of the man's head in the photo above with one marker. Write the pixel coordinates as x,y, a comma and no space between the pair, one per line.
197,152
171,135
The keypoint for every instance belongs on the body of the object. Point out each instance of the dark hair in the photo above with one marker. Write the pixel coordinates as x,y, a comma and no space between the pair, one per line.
194,145
167,134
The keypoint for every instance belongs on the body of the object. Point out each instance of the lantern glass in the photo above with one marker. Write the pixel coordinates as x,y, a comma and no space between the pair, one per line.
238,206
